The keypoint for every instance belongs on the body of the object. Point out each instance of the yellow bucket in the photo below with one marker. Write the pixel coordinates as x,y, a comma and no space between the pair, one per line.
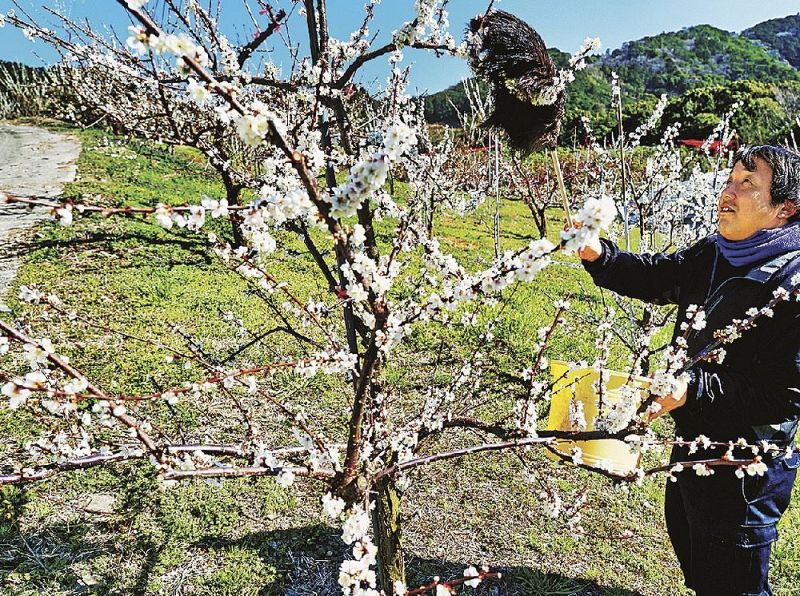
611,455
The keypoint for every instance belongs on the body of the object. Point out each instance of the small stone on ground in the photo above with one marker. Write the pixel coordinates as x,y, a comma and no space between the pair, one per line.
100,503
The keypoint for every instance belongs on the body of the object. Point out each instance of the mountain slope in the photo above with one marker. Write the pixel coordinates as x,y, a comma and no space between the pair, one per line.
674,63
697,56
780,35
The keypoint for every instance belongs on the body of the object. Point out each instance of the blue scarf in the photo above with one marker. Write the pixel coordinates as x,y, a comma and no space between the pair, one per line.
761,246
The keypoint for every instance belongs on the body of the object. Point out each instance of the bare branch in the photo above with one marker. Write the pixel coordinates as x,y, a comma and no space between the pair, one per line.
275,24
80,463
251,471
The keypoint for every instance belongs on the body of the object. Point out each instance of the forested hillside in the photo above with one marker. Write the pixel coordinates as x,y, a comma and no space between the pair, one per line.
695,57
782,36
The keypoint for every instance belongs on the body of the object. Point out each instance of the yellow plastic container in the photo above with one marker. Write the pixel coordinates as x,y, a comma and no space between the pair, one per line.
611,455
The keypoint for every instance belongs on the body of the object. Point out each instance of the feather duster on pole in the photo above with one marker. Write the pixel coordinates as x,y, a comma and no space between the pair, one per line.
512,57
528,101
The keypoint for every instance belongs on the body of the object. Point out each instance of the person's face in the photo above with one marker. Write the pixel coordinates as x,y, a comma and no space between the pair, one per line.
745,205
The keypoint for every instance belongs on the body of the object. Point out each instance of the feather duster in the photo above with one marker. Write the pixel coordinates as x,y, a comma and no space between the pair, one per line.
511,56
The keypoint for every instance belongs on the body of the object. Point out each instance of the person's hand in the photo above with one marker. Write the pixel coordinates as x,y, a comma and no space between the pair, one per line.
593,250
672,401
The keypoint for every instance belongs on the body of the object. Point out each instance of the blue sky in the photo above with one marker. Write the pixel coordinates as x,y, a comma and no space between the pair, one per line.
562,23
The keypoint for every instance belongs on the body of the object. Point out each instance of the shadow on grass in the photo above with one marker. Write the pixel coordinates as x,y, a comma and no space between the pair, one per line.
311,556
294,562
47,560
512,235
105,240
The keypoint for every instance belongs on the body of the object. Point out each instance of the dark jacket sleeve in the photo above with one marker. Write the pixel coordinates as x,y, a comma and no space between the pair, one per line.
721,396
653,278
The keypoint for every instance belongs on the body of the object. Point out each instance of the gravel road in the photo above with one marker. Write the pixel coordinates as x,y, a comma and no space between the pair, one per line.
33,162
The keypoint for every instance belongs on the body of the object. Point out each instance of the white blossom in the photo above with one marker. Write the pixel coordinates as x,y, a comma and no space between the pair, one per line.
17,394
198,92
356,525
699,321
702,470
472,572
137,40
254,125
196,218
215,208
757,468
596,214
75,386
399,138
63,214
31,295
38,353
285,478
163,216
333,506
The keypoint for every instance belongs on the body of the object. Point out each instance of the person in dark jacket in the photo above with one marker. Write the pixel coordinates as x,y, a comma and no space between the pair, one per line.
722,526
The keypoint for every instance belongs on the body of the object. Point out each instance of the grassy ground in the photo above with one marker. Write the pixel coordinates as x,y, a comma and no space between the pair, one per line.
251,536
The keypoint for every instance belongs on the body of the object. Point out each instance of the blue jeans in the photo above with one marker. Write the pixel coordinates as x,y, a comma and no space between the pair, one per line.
722,527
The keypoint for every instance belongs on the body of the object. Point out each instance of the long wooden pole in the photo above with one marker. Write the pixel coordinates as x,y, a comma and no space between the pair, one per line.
561,187
497,195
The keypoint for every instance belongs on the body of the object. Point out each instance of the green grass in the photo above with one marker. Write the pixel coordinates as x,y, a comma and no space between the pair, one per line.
251,536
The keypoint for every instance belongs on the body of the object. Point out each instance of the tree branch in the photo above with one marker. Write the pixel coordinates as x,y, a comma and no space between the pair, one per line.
80,463
251,47
250,471
377,53
93,389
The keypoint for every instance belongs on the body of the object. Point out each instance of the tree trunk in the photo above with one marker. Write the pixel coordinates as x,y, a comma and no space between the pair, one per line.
232,192
386,524
541,221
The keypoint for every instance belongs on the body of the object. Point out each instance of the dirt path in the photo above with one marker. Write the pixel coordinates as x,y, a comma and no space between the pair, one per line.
33,161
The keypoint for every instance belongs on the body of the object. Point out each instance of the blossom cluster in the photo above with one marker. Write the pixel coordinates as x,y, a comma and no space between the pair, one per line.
565,76
254,124
341,362
430,23
356,575
755,467
696,318
180,45
368,176
596,214
620,409
318,457
648,125
272,209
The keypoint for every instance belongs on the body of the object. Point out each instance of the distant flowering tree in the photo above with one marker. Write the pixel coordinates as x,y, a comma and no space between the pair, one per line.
668,196
316,154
